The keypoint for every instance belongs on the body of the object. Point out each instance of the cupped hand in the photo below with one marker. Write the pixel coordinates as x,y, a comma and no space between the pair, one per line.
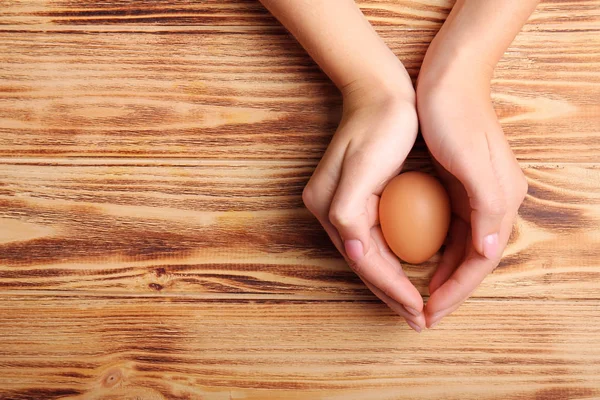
480,172
374,137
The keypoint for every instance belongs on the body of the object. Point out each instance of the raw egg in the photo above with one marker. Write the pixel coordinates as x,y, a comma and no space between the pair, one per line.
414,213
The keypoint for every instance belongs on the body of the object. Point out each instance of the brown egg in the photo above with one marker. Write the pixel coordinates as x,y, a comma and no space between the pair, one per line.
414,213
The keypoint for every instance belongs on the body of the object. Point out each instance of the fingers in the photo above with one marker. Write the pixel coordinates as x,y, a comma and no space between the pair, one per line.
415,316
465,279
342,194
433,320
386,274
486,196
451,286
317,197
319,191
368,165
458,287
485,221
453,254
348,212
381,269
416,322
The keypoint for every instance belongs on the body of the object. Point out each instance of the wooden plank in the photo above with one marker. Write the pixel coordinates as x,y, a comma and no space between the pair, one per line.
207,227
157,348
424,14
224,95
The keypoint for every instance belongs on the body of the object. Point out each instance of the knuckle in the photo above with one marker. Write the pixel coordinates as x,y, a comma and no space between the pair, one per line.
308,196
310,200
339,216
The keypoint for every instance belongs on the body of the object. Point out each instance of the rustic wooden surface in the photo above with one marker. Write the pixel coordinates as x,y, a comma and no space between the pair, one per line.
153,243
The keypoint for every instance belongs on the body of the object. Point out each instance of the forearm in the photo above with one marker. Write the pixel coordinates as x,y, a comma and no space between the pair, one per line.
340,39
477,33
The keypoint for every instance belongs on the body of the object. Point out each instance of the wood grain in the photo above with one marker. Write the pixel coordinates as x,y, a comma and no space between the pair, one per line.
154,245
206,227
220,95
424,14
114,347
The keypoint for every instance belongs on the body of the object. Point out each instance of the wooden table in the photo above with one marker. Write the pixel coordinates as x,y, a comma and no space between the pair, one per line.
154,245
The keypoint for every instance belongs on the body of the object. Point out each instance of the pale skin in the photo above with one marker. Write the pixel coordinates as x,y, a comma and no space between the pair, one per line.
378,129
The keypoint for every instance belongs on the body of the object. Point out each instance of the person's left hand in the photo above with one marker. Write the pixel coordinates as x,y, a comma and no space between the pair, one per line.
480,173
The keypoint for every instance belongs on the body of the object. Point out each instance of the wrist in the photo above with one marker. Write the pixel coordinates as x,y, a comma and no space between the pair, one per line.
394,86
449,64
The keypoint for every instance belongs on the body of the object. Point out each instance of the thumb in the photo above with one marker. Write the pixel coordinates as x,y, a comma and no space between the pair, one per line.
351,212
488,208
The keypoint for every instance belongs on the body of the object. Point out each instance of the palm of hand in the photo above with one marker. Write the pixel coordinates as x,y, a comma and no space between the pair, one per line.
484,182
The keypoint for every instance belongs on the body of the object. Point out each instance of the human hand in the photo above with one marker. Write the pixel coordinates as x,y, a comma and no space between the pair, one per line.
377,131
378,128
477,167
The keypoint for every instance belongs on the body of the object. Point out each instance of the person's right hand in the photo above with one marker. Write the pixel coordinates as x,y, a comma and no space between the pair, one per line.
375,135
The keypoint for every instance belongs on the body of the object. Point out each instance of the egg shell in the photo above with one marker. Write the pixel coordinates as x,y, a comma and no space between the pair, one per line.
414,213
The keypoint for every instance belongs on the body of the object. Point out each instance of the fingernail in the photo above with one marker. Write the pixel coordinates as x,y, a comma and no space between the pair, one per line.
490,246
414,326
354,249
412,311
434,324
